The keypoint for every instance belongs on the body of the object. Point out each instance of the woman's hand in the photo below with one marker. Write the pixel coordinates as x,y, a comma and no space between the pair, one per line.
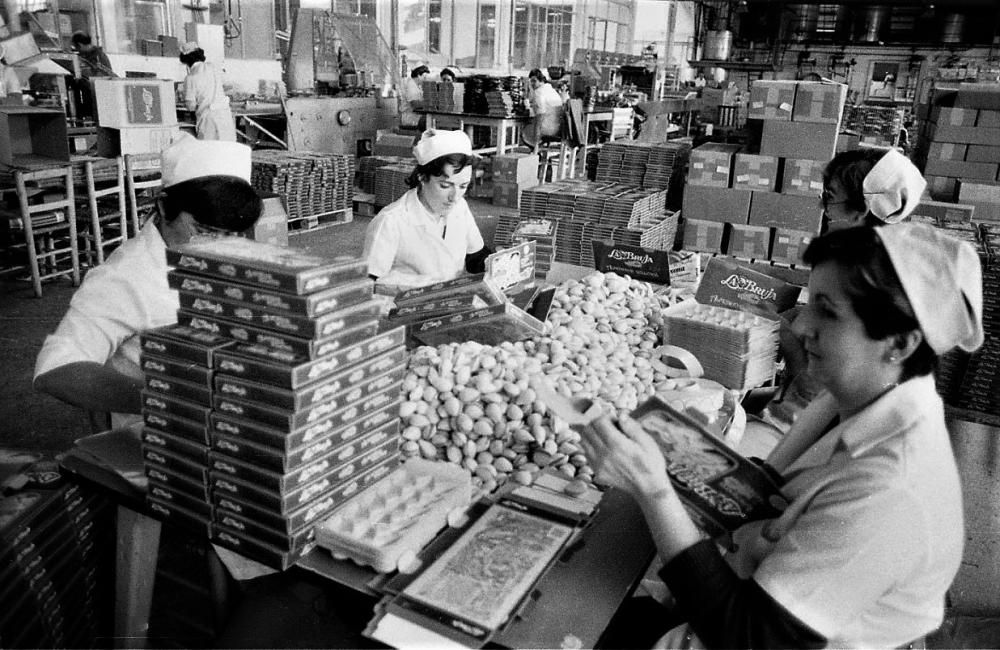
625,456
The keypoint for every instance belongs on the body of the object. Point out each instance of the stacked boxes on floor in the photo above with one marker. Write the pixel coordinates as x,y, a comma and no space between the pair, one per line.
959,137
765,205
647,165
302,395
311,185
512,174
55,564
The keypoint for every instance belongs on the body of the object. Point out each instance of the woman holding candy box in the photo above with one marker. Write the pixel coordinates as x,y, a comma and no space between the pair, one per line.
872,535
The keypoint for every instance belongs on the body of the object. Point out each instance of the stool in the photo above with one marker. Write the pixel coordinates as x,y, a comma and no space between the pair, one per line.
143,178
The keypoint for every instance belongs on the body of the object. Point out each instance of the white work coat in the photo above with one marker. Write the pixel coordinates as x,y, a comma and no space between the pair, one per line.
547,111
873,534
407,246
203,94
118,300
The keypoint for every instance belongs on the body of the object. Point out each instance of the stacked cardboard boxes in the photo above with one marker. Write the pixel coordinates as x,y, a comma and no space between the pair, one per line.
134,116
512,174
959,137
286,401
765,205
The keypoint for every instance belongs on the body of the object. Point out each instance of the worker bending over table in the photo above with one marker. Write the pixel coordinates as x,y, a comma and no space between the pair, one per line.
872,535
92,359
204,94
429,234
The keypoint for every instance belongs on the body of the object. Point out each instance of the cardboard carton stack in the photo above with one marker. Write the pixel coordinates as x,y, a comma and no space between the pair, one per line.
309,183
444,96
765,205
980,386
55,564
647,165
285,403
367,167
512,174
959,137
390,182
134,116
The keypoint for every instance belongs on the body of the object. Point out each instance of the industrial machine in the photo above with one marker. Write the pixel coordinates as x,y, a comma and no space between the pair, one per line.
337,68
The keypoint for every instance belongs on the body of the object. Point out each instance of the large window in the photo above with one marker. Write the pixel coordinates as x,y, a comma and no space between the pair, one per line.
139,20
355,7
486,34
542,33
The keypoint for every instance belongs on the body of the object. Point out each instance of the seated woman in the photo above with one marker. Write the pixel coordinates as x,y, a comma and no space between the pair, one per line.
429,234
872,535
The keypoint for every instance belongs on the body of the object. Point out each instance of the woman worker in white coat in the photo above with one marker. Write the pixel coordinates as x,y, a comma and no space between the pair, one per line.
203,94
872,535
429,234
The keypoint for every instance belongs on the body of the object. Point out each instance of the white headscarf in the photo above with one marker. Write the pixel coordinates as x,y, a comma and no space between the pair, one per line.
893,187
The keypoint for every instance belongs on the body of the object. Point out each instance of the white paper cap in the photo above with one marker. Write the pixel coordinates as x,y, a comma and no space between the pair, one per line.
893,187
943,281
189,47
188,158
435,143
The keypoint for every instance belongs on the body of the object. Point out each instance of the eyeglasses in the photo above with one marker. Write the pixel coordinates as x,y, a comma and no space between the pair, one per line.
825,199
203,230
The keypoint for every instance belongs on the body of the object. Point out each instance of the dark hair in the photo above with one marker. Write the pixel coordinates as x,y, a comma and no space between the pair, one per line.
81,38
419,70
449,73
849,168
458,161
223,202
192,57
874,289
536,73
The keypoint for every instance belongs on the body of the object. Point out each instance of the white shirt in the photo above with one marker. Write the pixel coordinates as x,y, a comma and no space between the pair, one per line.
873,536
118,300
547,108
406,245
203,89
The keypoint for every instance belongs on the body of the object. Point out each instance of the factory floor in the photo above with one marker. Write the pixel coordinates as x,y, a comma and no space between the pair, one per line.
35,421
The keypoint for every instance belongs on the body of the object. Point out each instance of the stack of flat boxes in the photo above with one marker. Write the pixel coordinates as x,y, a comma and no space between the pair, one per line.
960,138
765,205
302,396
54,564
980,388
512,174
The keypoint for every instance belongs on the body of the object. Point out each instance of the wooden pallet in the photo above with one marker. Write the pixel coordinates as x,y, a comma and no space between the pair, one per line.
321,220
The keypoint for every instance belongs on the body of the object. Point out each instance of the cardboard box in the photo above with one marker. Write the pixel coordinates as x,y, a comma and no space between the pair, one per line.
985,196
978,95
941,188
988,118
965,134
802,177
711,164
149,47
507,195
736,285
954,116
169,45
721,205
272,226
944,211
112,142
749,241
789,245
704,236
805,140
819,102
947,151
961,169
516,168
756,172
981,153
848,141
772,100
29,134
786,211
123,103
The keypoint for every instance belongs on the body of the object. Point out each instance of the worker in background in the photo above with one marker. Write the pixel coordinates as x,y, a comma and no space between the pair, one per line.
871,538
92,359
93,61
546,107
429,234
10,84
447,74
412,96
203,94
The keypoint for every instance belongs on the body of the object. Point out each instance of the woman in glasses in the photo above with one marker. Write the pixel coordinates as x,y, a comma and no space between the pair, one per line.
869,186
92,359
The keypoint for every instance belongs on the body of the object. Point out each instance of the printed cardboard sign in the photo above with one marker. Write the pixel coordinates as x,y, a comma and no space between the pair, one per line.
512,266
142,104
728,284
639,263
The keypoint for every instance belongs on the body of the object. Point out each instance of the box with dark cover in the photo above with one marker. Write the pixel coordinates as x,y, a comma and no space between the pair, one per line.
786,211
749,241
716,204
